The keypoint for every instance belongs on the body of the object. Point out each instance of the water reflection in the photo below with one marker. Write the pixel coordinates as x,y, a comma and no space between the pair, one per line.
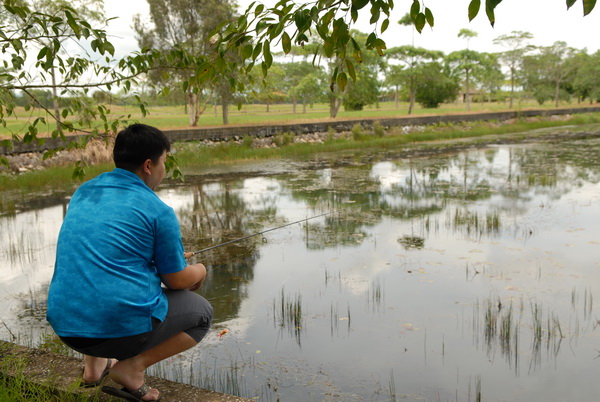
449,277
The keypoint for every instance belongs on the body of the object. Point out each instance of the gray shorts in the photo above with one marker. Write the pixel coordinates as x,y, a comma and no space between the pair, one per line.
188,312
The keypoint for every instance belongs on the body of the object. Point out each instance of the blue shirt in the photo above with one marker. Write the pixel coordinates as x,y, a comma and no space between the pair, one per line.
115,241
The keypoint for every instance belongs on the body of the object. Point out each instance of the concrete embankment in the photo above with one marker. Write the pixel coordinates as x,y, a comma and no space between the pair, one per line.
229,132
60,375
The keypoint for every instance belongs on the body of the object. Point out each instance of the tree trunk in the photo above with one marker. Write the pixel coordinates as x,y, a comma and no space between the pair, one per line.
294,102
225,106
396,98
412,95
556,93
468,92
55,104
512,89
192,101
334,106
197,106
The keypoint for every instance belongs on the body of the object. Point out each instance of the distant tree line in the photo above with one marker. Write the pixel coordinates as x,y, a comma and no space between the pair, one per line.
416,75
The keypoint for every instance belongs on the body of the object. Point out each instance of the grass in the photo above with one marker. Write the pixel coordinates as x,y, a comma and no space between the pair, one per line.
174,117
192,156
288,314
503,326
475,224
195,155
15,386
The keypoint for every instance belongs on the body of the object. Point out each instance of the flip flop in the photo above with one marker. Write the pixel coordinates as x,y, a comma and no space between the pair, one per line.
92,384
124,393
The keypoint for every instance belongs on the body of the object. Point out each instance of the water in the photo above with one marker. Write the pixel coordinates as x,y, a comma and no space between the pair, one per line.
456,277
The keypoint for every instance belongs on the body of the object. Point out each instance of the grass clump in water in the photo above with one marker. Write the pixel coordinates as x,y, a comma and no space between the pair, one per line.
287,314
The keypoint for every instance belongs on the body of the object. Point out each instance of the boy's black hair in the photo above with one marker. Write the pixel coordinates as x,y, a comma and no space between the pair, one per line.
137,143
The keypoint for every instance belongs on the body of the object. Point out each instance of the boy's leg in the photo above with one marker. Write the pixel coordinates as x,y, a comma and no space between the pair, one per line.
187,322
130,372
93,367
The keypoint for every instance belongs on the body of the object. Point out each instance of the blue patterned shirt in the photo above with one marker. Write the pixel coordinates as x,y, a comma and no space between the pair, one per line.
115,241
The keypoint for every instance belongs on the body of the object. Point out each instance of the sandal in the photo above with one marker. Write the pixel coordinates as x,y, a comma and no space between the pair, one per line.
124,393
92,384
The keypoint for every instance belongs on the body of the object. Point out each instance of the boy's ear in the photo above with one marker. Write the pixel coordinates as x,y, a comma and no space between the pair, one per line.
146,166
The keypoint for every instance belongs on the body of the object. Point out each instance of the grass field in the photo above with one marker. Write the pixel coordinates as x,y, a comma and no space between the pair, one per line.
174,117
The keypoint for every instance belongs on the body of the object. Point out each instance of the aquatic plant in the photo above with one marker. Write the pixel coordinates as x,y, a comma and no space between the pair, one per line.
288,314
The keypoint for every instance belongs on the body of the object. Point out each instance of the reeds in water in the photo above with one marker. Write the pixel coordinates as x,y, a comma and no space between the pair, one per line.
287,314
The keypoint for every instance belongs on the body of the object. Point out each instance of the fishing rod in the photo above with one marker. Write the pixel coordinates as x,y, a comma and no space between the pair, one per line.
258,233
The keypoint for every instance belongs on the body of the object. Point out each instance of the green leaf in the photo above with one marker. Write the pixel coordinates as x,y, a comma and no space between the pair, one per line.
342,81
17,44
242,23
385,24
375,13
429,16
301,39
42,53
79,170
490,13
351,70
72,23
420,22
358,56
358,4
286,43
322,31
570,3
265,69
369,43
257,51
247,52
108,47
414,10
588,6
328,47
380,46
354,14
267,53
474,6
300,19
490,5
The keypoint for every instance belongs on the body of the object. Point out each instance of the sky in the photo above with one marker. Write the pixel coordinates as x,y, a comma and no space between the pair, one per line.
548,21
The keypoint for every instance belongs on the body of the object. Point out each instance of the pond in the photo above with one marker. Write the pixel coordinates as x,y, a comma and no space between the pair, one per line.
461,276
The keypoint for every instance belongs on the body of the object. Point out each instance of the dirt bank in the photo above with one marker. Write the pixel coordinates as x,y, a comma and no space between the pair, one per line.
60,374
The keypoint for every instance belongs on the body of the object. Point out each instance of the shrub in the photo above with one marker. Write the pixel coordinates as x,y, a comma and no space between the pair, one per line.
284,139
358,133
378,129
248,141
289,138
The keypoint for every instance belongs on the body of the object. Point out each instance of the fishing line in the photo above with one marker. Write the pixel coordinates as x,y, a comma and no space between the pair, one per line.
260,233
